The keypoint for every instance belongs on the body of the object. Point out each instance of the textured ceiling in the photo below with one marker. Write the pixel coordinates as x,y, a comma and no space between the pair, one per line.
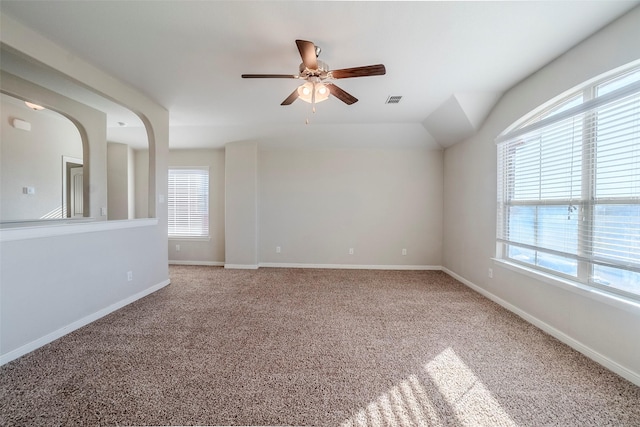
450,61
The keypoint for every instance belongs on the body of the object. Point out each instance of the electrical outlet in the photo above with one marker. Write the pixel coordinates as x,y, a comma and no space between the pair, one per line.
278,249
177,248
404,251
129,276
350,251
491,273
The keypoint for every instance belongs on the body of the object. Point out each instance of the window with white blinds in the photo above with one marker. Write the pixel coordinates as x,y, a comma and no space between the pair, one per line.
569,188
188,202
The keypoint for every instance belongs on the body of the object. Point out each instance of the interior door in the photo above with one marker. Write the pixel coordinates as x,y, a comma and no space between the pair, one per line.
76,192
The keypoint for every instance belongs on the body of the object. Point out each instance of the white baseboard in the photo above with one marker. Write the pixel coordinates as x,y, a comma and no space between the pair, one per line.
349,266
241,266
301,265
571,342
209,263
29,347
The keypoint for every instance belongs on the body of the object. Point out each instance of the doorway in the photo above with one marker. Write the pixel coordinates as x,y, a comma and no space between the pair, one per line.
72,187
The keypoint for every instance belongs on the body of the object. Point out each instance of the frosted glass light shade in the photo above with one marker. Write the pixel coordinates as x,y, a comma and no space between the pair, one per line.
305,92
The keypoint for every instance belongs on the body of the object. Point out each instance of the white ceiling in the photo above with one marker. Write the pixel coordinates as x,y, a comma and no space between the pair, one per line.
450,61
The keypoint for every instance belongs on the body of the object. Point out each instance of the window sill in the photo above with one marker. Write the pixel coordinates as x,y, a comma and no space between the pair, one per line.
190,239
615,300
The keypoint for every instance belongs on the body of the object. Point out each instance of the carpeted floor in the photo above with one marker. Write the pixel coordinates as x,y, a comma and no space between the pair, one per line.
312,347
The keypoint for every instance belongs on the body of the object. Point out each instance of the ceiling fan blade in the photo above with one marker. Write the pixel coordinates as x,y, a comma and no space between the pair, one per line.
308,53
269,76
291,98
368,70
343,96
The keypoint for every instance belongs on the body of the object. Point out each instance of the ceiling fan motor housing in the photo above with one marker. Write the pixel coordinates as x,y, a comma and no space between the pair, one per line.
323,69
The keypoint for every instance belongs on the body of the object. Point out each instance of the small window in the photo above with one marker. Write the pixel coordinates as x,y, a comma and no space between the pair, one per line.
569,188
617,82
188,202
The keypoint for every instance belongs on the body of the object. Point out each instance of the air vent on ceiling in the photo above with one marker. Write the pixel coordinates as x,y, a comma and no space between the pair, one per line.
393,99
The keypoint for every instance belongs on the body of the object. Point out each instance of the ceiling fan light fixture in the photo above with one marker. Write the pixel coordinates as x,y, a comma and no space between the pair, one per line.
322,92
314,72
306,92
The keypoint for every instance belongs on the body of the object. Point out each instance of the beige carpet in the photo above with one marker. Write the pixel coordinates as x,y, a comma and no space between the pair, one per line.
312,347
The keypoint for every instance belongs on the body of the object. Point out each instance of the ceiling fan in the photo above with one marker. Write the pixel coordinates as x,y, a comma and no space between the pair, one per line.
318,85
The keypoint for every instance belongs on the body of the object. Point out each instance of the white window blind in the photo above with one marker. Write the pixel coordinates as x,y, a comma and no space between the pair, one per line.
569,189
188,202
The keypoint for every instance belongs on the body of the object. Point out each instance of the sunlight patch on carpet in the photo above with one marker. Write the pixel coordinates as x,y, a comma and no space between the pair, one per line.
413,402
470,401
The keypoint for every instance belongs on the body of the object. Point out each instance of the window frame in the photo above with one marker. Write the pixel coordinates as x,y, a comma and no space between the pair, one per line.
203,216
587,201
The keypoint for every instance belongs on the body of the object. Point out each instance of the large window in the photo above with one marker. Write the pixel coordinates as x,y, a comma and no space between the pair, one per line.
188,202
569,188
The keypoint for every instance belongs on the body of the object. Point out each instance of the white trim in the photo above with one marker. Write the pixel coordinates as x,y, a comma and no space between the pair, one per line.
195,168
190,238
185,262
571,342
586,106
241,266
615,300
70,227
33,345
350,266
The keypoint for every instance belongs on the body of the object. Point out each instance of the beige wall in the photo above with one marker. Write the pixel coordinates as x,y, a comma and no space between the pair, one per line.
241,205
141,185
317,204
117,181
131,183
91,126
122,188
34,159
600,327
